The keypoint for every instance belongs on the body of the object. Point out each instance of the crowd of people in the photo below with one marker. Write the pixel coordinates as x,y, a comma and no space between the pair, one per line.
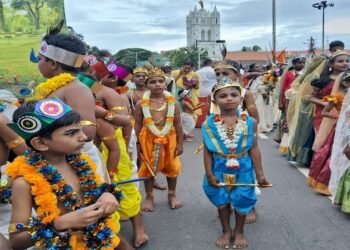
76,149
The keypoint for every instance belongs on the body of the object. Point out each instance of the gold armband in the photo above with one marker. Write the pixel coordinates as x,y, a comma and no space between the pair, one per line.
118,108
15,143
88,123
17,227
110,115
109,138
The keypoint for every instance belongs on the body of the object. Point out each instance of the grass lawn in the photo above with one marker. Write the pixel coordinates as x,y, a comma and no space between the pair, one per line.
14,57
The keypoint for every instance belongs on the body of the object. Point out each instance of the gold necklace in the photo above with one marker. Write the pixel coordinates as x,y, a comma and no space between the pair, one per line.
230,130
162,108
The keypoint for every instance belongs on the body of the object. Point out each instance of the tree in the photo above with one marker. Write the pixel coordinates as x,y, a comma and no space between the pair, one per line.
132,56
32,6
179,56
256,48
2,17
245,48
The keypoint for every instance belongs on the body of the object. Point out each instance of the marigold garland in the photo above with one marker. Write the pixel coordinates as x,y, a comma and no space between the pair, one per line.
47,185
148,120
46,88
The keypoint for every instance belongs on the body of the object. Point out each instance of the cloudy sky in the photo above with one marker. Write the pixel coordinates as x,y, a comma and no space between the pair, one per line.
161,24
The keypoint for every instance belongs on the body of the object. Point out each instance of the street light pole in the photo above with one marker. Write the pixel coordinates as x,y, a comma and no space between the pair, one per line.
322,5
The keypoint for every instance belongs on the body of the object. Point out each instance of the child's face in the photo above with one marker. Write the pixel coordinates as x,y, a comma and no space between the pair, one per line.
67,140
228,98
156,85
139,78
228,73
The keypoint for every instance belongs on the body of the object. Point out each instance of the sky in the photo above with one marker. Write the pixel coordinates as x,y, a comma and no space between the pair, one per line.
159,25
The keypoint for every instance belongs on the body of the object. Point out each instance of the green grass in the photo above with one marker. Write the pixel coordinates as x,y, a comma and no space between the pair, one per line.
14,57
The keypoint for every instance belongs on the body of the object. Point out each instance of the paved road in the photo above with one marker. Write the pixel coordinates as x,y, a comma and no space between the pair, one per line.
290,215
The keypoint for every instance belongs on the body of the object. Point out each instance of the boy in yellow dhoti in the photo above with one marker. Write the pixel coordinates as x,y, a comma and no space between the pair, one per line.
160,137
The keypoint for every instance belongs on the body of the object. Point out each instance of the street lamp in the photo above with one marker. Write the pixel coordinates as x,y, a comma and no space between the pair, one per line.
322,5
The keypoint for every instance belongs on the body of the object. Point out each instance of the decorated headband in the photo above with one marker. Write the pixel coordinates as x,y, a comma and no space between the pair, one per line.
224,65
155,72
90,59
119,71
225,83
184,93
338,52
100,69
140,70
45,113
58,54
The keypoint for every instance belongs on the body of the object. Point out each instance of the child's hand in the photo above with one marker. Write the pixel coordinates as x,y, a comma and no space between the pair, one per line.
262,181
80,218
213,181
109,203
178,150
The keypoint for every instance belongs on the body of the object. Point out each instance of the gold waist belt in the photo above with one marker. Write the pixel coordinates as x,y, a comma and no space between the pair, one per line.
231,156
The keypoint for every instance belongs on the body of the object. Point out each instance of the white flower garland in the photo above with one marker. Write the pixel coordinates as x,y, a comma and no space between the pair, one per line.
230,144
169,116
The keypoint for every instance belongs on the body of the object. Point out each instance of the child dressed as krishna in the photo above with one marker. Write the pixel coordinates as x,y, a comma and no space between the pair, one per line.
231,159
73,206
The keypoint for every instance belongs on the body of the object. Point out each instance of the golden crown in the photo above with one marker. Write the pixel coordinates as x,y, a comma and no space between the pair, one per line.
155,72
224,65
226,83
140,70
338,52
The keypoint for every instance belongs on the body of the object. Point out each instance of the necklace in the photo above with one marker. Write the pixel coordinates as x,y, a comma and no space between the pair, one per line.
230,137
158,102
162,108
148,120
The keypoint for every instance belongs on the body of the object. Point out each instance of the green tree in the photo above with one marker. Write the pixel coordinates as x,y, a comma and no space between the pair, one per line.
32,6
246,48
179,56
131,56
2,17
256,48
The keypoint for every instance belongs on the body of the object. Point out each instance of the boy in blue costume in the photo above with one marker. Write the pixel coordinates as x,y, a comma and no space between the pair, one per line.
231,156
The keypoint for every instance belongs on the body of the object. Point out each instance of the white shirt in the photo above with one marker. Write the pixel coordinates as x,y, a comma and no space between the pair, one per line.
208,79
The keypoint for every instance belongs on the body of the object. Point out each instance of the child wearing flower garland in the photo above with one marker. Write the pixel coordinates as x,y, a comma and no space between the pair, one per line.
72,204
160,137
231,156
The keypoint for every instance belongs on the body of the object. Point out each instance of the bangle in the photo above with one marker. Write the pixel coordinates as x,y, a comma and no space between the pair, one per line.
15,143
110,115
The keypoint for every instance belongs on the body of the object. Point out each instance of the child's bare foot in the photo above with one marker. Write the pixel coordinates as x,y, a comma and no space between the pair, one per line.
124,245
251,217
239,241
148,205
174,203
158,185
140,237
224,241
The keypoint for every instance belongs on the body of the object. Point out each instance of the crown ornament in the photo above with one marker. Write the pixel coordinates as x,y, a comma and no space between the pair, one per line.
155,72
224,82
138,70
224,65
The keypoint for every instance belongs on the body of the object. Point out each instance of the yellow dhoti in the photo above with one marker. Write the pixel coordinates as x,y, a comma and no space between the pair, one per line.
168,164
130,205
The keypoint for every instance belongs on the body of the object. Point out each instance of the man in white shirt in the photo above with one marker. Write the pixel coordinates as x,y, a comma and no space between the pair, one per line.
208,77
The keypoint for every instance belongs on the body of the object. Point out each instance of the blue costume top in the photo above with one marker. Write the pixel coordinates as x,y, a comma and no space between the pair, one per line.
242,198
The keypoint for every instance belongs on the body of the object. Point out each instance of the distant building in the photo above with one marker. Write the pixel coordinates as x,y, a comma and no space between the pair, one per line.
203,29
265,57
